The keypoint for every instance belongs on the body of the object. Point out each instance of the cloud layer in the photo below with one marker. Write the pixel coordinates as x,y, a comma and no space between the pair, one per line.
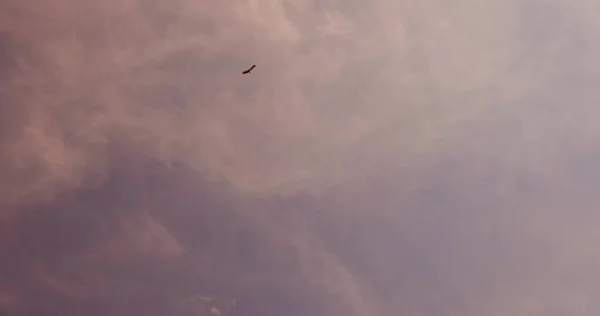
413,157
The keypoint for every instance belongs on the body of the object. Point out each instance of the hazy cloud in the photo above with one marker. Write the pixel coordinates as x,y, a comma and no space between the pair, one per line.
412,157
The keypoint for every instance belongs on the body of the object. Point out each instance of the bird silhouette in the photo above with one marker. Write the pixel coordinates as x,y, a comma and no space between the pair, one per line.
247,71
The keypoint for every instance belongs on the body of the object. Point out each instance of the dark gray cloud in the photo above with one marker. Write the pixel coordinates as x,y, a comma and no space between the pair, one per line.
414,158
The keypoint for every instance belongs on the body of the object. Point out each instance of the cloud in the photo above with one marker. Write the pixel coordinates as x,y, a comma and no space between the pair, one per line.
383,157
143,235
262,133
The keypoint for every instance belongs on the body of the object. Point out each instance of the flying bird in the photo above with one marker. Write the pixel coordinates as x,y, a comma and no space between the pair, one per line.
247,71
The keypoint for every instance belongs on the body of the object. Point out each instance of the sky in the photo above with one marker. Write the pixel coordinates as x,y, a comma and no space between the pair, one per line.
415,158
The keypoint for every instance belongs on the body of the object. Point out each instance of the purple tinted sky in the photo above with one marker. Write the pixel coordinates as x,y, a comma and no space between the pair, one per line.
384,158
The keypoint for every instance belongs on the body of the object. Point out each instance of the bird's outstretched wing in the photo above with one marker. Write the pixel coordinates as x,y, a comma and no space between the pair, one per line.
247,71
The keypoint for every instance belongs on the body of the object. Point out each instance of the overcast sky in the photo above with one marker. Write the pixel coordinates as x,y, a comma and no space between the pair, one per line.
416,158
